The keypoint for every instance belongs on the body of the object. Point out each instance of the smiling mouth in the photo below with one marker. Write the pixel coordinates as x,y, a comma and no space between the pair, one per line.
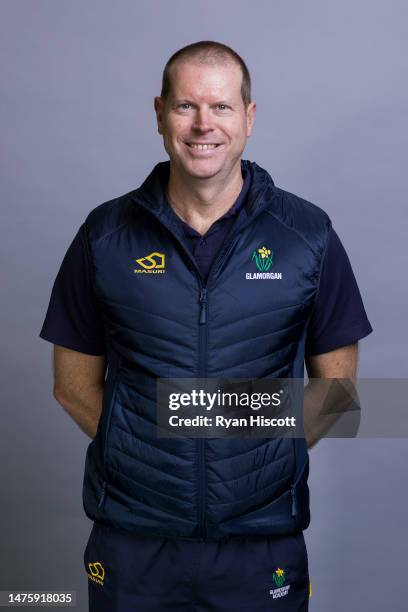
202,147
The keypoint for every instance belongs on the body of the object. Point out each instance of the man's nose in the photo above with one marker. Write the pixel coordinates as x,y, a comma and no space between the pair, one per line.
202,120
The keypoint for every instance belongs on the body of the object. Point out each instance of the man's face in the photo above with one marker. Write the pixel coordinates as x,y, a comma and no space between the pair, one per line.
204,107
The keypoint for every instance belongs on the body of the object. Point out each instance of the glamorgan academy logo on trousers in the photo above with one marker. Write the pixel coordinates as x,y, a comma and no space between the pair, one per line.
279,579
263,258
151,264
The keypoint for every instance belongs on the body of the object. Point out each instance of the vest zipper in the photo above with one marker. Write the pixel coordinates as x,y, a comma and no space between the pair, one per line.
202,497
203,302
203,331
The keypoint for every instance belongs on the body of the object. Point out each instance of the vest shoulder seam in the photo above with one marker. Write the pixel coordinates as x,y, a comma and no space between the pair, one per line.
100,238
122,205
293,229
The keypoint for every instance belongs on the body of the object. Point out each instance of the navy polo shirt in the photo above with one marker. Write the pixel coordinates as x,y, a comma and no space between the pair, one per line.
74,319
205,247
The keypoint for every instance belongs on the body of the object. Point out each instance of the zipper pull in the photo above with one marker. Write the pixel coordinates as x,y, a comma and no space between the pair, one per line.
203,301
293,494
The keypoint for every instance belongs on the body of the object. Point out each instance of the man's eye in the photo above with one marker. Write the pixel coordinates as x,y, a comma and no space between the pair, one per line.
184,105
222,106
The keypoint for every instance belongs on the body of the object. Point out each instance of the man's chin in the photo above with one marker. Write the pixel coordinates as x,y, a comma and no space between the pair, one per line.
201,169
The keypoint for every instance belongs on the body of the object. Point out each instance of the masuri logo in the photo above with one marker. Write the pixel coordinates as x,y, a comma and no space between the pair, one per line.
151,264
96,572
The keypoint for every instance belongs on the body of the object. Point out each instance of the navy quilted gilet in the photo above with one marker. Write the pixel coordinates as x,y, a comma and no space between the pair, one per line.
171,324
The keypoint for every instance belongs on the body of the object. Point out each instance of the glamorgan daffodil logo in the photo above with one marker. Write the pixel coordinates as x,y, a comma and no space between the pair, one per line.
278,577
151,264
263,258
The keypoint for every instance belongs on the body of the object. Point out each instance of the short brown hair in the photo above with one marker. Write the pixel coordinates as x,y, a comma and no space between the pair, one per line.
208,51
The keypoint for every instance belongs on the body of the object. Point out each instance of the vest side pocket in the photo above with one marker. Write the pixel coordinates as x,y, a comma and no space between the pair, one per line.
108,422
111,390
102,496
299,490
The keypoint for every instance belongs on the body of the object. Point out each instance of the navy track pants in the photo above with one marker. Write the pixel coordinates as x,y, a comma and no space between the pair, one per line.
132,573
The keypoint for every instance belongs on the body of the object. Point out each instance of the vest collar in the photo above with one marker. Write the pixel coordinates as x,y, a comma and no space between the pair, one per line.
151,194
152,197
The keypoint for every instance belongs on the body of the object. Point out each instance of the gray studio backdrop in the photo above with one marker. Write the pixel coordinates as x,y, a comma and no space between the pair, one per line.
78,128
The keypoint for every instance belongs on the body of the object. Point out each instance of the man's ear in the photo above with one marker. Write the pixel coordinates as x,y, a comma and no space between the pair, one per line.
250,114
158,107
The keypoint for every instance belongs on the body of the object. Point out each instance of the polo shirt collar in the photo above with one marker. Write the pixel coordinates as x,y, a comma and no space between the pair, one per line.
234,210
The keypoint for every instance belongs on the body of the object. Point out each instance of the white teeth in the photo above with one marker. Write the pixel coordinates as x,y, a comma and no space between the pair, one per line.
202,147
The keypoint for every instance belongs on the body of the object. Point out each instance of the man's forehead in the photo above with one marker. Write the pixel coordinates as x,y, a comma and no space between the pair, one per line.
202,80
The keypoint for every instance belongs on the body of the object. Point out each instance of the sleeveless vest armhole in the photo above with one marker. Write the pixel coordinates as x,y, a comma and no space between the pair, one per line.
320,270
89,257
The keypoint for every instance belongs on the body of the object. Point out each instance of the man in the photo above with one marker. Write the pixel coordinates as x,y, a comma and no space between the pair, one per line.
163,282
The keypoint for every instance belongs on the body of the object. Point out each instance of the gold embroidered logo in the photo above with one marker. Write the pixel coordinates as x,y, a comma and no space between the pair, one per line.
151,264
96,572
